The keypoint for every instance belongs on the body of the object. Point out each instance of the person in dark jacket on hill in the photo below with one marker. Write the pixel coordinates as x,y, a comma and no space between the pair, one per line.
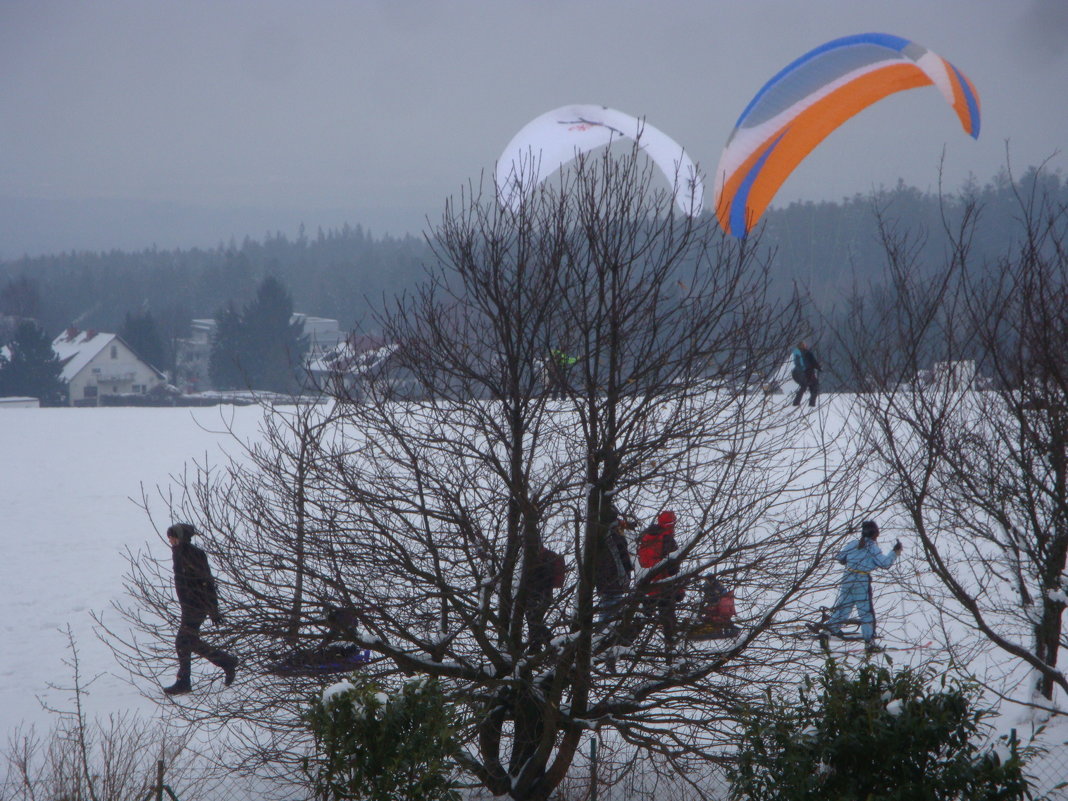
806,374
195,588
546,575
613,569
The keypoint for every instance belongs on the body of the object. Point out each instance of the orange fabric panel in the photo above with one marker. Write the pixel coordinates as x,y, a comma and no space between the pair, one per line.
960,101
807,130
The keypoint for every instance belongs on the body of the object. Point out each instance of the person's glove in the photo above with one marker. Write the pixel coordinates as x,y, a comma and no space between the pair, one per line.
898,546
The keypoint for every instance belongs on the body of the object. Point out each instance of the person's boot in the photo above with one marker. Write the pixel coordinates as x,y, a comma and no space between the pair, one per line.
180,687
229,670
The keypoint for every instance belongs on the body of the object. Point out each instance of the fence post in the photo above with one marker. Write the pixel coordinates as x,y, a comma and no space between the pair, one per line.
593,767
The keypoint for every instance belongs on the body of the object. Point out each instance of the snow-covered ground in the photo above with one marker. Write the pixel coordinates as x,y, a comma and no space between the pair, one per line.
70,481
70,484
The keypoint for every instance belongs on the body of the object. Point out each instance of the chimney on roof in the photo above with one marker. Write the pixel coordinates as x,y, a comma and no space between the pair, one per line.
71,333
90,334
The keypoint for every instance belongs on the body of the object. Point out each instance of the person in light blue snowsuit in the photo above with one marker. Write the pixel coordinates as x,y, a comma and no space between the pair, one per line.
859,560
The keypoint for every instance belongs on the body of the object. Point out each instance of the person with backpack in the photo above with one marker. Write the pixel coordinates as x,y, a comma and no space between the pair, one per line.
655,545
198,600
547,573
805,374
859,559
612,570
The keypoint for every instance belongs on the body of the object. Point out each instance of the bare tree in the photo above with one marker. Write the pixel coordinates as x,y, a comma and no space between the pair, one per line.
102,759
965,374
420,505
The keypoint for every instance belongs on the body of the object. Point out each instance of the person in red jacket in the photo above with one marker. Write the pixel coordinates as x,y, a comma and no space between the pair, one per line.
655,546
715,618
195,588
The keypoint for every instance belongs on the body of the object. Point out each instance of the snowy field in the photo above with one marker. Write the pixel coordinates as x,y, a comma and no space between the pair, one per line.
70,488
70,483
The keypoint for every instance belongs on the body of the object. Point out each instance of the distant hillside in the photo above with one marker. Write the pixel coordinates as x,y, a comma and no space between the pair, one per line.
828,248
329,275
823,249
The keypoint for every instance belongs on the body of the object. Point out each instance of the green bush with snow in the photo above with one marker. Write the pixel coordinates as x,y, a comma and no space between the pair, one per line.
374,746
877,736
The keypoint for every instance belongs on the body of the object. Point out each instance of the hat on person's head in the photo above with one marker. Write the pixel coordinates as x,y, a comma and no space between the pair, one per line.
870,529
666,519
183,532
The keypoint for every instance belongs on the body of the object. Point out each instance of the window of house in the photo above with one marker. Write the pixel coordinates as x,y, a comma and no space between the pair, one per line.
138,388
90,391
114,351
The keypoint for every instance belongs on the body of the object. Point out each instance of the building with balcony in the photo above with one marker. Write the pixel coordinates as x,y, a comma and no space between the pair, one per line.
97,364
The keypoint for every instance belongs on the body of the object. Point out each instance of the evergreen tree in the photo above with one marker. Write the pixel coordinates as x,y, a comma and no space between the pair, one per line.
258,347
33,368
227,346
142,335
877,736
20,298
274,346
379,747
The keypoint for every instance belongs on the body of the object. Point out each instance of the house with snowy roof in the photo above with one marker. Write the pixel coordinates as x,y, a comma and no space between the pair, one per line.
97,364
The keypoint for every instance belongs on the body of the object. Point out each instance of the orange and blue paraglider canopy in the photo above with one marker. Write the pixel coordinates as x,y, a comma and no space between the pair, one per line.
807,100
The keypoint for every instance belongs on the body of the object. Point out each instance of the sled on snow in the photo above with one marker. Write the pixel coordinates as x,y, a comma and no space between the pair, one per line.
323,661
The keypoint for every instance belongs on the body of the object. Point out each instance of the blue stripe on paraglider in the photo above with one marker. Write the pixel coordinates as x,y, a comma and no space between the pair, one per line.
741,197
886,40
972,100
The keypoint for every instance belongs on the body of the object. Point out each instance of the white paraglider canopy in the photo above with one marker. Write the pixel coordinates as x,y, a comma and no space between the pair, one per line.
548,142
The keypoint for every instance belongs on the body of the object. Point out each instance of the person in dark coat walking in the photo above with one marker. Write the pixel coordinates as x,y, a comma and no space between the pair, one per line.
195,588
806,374
546,575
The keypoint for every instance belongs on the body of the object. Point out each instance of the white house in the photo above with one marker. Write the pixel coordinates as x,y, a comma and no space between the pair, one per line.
323,333
96,364
343,368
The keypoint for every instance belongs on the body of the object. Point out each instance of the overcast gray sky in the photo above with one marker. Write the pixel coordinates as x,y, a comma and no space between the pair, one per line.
131,123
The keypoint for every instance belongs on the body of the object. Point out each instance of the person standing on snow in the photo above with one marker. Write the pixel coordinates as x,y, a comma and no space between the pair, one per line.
859,560
546,575
195,588
558,365
655,546
612,571
806,374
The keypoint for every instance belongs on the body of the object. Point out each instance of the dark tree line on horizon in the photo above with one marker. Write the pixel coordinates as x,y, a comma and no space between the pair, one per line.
331,275
822,251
